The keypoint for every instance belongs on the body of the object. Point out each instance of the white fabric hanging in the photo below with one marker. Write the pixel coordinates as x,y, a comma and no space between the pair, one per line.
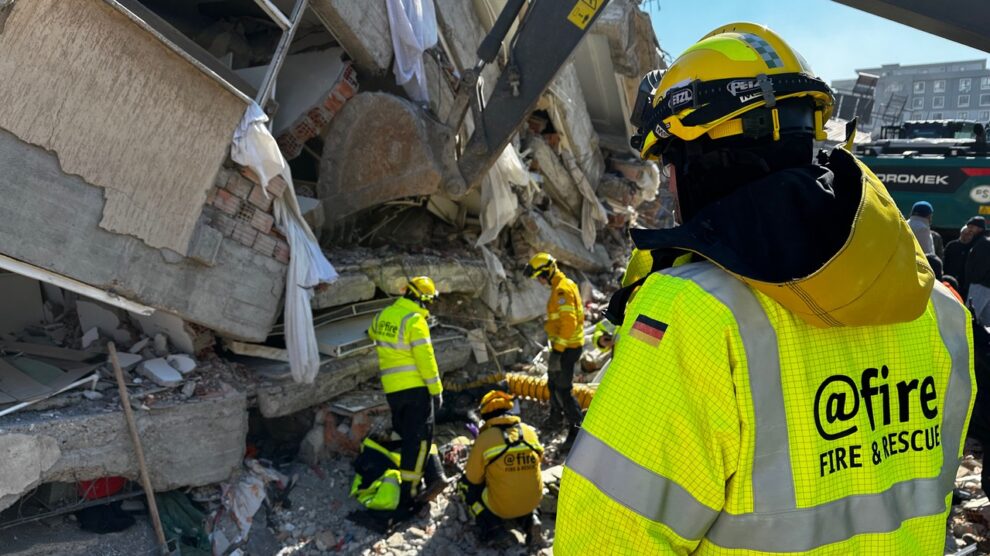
413,24
255,148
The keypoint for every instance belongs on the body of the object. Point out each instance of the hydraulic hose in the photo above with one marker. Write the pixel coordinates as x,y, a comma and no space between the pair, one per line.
524,386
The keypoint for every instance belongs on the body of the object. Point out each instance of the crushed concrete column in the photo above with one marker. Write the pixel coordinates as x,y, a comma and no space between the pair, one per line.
380,148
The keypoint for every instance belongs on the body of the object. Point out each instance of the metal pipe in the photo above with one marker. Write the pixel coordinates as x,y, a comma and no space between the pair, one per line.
281,51
273,12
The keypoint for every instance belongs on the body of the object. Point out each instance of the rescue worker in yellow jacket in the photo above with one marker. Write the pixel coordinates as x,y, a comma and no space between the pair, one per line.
803,385
411,382
565,330
503,480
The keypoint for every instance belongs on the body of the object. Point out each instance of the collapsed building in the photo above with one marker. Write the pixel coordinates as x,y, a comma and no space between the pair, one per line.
129,217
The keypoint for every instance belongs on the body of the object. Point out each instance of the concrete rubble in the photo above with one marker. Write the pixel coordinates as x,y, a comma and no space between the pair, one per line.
193,299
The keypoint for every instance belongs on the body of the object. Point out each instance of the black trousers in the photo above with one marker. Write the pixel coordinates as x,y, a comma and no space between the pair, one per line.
412,419
560,381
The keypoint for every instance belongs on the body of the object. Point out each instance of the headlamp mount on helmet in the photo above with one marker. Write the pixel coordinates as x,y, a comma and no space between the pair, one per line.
711,100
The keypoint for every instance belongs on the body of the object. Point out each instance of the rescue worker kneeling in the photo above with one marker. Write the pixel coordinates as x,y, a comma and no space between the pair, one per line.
378,479
502,480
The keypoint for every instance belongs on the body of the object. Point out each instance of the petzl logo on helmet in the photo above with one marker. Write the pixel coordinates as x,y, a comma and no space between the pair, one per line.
740,86
680,98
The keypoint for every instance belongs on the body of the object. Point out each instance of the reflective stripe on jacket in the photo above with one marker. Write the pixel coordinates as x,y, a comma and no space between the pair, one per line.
565,314
405,352
728,425
512,477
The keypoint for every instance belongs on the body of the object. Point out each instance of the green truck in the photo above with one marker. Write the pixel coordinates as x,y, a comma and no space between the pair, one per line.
944,162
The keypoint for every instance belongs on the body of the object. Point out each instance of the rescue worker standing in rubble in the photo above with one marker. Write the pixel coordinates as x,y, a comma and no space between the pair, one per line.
502,479
803,384
411,382
565,331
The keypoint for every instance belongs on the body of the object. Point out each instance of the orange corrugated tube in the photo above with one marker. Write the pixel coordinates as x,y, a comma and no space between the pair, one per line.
535,388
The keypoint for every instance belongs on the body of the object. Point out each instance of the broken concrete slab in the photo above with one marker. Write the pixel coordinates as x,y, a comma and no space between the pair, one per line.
160,372
380,148
527,301
451,275
361,28
171,326
93,314
347,288
338,376
27,458
195,443
90,337
565,244
127,361
182,363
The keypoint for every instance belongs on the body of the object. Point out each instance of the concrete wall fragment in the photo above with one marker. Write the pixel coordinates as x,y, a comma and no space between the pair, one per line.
50,219
361,28
120,109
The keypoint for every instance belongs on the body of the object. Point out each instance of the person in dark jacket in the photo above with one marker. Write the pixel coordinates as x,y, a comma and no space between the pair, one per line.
956,251
978,271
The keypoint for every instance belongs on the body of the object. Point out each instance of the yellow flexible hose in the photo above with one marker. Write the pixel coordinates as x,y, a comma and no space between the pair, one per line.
524,386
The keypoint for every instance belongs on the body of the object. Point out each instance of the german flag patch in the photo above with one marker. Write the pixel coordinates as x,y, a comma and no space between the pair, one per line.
648,330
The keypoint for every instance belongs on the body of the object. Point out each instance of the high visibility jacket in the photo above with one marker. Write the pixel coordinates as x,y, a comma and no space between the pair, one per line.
817,416
506,459
377,478
565,314
405,352
760,433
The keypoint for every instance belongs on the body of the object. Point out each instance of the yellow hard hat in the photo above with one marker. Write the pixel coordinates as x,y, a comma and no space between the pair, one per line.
541,263
423,289
496,400
730,72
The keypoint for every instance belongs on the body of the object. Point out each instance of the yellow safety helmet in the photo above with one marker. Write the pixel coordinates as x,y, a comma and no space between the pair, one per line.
729,73
422,288
541,263
496,400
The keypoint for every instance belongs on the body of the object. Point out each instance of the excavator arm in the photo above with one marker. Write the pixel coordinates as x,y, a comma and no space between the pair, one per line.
549,32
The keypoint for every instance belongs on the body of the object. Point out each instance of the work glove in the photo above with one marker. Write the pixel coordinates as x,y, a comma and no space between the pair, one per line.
437,403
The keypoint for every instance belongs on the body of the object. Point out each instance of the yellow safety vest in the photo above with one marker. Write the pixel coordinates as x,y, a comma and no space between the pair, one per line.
727,424
405,351
565,314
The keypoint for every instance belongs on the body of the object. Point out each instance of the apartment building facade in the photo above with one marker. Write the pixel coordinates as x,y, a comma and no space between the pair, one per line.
945,90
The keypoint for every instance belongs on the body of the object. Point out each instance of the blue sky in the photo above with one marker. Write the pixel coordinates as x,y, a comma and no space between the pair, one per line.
835,39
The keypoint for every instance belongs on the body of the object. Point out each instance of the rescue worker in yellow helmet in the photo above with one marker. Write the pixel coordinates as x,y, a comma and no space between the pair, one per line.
565,330
411,382
805,385
502,479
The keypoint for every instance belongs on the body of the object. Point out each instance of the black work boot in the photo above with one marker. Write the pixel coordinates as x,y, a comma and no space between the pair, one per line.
436,481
